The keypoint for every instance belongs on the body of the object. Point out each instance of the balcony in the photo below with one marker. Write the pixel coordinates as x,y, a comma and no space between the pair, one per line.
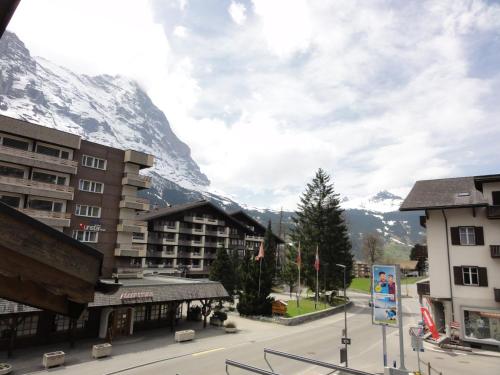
53,219
34,159
493,212
153,239
166,228
204,220
137,180
140,158
132,226
254,238
497,294
199,231
129,272
191,243
495,251
134,203
424,288
161,254
131,250
30,187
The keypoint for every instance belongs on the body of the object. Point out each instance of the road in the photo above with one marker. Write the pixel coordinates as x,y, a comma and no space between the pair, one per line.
321,340
155,352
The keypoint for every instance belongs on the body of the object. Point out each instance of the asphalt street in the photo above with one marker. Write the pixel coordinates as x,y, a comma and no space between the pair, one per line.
155,352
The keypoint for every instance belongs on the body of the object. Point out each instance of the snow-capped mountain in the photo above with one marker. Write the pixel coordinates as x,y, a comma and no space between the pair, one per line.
111,110
115,111
383,201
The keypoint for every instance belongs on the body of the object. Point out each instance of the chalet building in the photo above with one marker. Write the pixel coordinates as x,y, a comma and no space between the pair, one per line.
86,190
184,238
463,239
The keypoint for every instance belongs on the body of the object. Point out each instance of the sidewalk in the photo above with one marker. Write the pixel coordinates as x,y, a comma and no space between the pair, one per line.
142,348
487,353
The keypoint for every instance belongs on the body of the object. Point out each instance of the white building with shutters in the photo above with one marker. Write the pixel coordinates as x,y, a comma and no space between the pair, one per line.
462,217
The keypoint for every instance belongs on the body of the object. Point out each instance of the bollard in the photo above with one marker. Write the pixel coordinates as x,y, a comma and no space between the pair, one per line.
429,368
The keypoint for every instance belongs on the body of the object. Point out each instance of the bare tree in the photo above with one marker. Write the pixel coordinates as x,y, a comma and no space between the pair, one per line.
372,248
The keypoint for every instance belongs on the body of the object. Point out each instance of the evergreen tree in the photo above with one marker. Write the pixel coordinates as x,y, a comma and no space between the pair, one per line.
253,302
290,271
319,222
419,253
222,270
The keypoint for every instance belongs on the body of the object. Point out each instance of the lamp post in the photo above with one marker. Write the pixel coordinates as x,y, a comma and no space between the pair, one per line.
345,311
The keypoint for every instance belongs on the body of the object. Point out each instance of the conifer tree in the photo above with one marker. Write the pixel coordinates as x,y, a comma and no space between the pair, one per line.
252,301
222,270
319,222
290,271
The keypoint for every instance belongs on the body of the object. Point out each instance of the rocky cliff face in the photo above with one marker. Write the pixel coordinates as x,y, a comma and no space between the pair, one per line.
115,111
111,110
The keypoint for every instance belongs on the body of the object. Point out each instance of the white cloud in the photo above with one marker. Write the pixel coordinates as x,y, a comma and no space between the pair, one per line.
238,12
378,94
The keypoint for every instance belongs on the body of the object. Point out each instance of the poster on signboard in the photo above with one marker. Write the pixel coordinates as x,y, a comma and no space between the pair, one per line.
384,295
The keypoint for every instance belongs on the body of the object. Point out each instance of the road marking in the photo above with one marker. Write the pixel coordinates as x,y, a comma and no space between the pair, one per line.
207,351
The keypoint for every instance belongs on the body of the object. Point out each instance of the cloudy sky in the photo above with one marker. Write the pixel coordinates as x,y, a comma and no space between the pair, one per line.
378,93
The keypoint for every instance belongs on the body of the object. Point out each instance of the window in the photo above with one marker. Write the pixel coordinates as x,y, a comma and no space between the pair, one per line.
85,236
138,236
482,325
61,323
163,311
16,143
155,312
50,151
470,275
89,211
45,205
10,200
467,235
28,326
82,320
140,313
93,162
5,170
91,186
48,178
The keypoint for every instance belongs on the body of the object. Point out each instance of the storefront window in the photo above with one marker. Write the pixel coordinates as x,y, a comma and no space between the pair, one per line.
482,325
28,326
140,313
61,323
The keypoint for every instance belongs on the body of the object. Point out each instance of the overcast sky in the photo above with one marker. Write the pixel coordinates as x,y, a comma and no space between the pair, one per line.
378,93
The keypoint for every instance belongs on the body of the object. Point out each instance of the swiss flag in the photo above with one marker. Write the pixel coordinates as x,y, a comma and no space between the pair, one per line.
260,255
316,261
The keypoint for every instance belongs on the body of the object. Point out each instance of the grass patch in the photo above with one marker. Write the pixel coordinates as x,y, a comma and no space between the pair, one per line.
362,284
307,306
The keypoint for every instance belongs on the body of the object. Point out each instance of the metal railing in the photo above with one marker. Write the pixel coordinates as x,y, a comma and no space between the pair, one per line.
242,366
37,156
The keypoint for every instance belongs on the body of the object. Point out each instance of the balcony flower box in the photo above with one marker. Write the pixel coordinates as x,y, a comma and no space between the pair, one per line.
5,368
101,350
53,359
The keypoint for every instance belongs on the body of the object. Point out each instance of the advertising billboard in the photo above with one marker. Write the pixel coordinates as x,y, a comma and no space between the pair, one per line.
384,295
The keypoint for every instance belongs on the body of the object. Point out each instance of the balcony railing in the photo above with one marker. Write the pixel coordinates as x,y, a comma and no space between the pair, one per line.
45,214
494,212
495,251
30,184
137,180
134,203
37,156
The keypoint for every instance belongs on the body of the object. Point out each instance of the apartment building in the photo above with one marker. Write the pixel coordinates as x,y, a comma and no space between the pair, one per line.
360,269
183,239
463,239
86,190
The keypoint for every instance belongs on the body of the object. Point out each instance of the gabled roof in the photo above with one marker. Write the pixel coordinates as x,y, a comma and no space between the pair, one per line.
480,180
443,193
170,210
247,217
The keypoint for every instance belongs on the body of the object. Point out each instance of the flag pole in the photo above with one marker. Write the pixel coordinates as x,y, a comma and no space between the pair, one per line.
298,287
260,271
317,277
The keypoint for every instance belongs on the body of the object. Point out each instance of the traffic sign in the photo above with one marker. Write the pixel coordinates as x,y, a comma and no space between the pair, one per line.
346,340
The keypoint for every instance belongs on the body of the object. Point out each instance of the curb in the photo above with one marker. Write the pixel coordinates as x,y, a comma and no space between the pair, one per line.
299,319
485,353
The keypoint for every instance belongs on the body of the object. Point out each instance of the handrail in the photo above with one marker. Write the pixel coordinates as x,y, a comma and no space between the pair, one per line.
36,184
45,214
37,156
242,366
313,362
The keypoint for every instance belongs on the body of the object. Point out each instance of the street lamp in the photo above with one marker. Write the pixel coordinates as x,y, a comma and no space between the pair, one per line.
345,312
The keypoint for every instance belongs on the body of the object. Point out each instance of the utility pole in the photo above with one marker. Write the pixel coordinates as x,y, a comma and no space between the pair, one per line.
345,312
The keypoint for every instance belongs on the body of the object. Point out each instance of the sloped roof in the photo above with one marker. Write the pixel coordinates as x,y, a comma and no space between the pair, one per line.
443,193
160,288
170,210
246,216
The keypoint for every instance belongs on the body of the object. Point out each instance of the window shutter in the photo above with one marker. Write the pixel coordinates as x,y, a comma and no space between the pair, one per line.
496,197
455,236
479,235
483,276
458,276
